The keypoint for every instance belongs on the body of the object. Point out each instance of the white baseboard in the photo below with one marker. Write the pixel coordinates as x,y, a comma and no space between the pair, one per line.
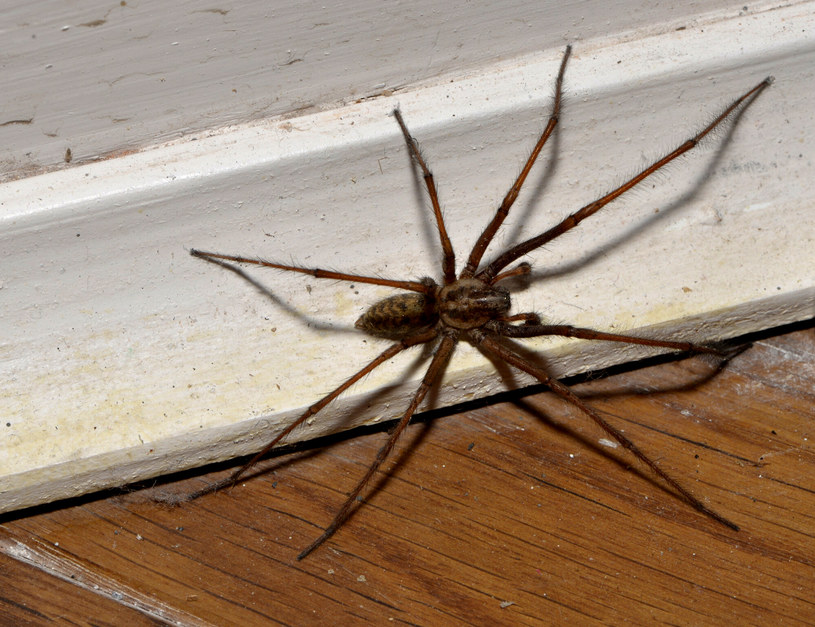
124,358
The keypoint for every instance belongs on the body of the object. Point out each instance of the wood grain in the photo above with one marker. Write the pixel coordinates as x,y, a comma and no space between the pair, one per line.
512,513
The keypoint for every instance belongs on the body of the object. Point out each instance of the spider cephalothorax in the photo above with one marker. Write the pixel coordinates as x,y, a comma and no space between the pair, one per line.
472,306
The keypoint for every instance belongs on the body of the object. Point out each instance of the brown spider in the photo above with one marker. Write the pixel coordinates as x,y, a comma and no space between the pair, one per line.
474,306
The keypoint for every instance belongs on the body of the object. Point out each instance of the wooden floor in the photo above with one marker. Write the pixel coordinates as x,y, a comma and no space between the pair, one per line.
514,513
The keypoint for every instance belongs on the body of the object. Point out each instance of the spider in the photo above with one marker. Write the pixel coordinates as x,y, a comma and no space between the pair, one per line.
473,305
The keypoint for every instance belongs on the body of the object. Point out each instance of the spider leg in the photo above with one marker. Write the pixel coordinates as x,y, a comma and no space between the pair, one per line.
440,357
317,273
500,215
488,274
491,346
565,330
390,352
449,258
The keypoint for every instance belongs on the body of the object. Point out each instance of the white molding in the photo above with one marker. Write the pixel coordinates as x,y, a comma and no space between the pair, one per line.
124,358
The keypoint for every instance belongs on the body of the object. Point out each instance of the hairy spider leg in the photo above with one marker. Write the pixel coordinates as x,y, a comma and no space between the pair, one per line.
317,273
440,357
566,330
489,232
448,264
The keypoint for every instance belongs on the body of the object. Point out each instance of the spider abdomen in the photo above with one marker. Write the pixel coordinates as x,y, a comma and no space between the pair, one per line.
398,315
470,303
